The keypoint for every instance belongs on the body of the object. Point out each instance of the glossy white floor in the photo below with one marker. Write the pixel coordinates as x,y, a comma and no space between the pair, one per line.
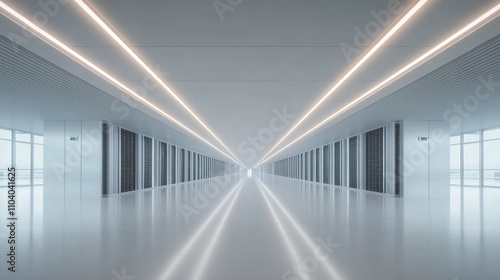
258,228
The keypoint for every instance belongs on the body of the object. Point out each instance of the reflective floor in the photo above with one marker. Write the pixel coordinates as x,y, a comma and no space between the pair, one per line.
258,228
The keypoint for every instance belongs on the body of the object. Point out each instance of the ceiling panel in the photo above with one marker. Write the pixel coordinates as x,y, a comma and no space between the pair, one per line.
470,82
235,68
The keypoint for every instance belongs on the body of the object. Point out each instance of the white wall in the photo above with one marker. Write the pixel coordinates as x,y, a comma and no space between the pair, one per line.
72,160
426,164
439,161
91,180
53,160
73,168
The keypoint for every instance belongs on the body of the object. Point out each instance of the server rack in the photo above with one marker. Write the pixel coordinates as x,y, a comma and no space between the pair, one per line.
195,162
199,167
105,158
311,165
302,175
318,165
338,163
128,160
147,162
180,163
353,162
173,164
190,166
306,168
326,164
397,148
163,163
375,158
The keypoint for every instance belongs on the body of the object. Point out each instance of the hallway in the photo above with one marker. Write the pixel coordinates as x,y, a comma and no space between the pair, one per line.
262,227
249,140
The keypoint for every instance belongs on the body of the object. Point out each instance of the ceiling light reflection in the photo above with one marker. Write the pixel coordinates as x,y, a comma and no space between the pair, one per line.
311,244
179,256
213,241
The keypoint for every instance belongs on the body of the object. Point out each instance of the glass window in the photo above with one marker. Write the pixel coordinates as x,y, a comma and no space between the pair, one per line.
37,164
23,163
492,163
5,160
37,139
455,165
455,139
492,134
471,164
23,136
23,157
5,134
471,136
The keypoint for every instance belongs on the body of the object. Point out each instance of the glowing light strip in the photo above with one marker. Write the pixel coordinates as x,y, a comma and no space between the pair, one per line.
51,40
288,242
351,71
190,243
82,4
450,41
215,237
312,246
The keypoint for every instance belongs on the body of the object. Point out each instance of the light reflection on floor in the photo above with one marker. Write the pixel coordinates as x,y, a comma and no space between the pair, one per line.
262,228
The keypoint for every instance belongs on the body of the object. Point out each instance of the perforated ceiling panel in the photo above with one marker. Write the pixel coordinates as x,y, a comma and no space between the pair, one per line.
32,90
432,97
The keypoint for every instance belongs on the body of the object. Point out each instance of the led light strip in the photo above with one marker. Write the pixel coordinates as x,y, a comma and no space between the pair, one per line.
353,69
90,11
450,41
188,246
333,271
215,237
292,250
43,35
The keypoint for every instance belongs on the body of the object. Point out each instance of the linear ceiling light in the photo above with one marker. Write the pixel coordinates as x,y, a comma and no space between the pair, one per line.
45,36
106,27
448,42
412,11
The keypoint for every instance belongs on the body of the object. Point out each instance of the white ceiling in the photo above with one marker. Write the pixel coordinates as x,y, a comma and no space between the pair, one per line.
264,55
